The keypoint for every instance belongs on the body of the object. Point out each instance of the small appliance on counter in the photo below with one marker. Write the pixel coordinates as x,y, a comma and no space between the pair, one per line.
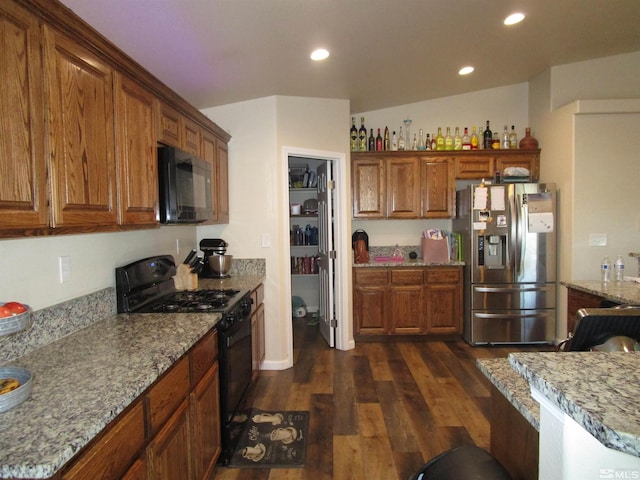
216,263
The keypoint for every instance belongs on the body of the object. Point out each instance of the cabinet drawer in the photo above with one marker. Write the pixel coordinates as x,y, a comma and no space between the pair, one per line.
407,277
474,167
203,355
165,396
112,454
443,275
371,276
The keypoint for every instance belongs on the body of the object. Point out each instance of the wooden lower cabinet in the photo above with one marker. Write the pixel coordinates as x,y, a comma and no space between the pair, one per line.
577,299
172,431
168,452
407,300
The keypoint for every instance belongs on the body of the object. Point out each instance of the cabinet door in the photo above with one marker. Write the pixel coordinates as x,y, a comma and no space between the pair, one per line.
168,452
403,187
577,299
23,200
137,153
438,188
443,300
170,125
407,311
138,471
215,151
529,161
205,423
368,187
474,167
81,134
191,137
109,457
370,310
257,340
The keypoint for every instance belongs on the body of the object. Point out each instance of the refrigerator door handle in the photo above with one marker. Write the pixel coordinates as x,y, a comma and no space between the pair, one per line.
508,289
518,237
506,315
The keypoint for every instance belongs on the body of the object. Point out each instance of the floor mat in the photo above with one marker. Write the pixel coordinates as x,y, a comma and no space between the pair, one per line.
273,439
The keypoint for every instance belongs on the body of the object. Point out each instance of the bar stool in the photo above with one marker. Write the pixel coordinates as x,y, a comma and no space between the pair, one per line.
467,462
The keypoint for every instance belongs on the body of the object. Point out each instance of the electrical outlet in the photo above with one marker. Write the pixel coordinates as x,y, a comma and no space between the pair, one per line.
597,239
266,240
64,268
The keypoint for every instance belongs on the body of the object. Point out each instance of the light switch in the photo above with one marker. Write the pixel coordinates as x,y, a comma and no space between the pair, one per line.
597,239
64,268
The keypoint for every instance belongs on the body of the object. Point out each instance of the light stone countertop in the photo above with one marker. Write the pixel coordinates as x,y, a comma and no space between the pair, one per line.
418,262
599,390
623,292
83,380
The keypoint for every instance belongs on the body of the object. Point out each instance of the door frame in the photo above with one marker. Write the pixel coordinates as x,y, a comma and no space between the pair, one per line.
342,228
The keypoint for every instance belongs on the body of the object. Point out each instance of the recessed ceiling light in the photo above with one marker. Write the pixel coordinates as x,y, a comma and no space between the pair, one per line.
465,70
319,54
514,18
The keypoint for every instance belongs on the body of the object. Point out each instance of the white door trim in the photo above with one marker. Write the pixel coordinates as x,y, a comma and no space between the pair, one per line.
342,229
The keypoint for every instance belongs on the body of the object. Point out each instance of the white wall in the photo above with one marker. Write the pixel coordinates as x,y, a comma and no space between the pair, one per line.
258,190
29,267
501,106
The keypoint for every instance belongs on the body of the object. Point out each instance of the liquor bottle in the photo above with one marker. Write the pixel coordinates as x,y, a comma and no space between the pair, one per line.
387,144
505,139
475,142
513,138
488,137
379,142
421,141
457,140
354,135
434,142
372,141
466,140
427,143
414,144
394,142
495,143
439,140
362,136
448,140
401,141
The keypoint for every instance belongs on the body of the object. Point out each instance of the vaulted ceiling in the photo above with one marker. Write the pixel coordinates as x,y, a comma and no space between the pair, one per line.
383,52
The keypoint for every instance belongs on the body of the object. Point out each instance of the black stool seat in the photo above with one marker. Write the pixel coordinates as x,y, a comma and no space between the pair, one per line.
467,462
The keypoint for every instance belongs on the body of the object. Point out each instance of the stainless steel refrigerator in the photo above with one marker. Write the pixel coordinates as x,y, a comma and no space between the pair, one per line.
508,236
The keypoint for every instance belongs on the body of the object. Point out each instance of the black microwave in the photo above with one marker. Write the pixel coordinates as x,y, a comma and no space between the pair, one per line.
184,187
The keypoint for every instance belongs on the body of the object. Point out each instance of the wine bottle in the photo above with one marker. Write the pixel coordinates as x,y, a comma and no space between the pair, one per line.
387,143
488,137
427,143
362,136
401,141
372,142
379,142
448,140
354,135
434,142
457,140
439,140
513,138
466,140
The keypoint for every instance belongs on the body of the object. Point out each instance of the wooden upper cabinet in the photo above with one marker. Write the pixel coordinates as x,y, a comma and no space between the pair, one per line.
368,187
475,167
191,137
81,134
437,187
403,187
23,201
137,155
222,182
170,125
530,161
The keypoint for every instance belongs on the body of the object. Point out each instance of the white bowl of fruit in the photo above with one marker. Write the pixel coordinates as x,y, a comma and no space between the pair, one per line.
14,317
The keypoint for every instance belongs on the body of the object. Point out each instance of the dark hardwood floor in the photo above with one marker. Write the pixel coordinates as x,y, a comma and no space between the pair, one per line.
378,411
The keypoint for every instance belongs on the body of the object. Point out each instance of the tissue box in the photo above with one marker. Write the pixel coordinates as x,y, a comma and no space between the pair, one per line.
435,250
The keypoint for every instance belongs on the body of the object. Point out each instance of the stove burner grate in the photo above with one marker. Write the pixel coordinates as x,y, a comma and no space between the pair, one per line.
198,301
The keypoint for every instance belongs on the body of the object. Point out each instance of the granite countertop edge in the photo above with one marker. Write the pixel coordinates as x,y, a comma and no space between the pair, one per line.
408,263
71,402
605,406
623,292
513,386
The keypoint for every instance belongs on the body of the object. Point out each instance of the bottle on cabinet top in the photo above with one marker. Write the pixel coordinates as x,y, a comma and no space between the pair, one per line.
401,141
372,141
353,133
362,136
513,138
488,137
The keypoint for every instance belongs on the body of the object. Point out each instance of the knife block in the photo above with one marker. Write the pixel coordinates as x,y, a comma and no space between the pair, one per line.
184,279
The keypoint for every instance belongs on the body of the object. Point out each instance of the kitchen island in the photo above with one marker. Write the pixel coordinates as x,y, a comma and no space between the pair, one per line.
85,380
588,414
